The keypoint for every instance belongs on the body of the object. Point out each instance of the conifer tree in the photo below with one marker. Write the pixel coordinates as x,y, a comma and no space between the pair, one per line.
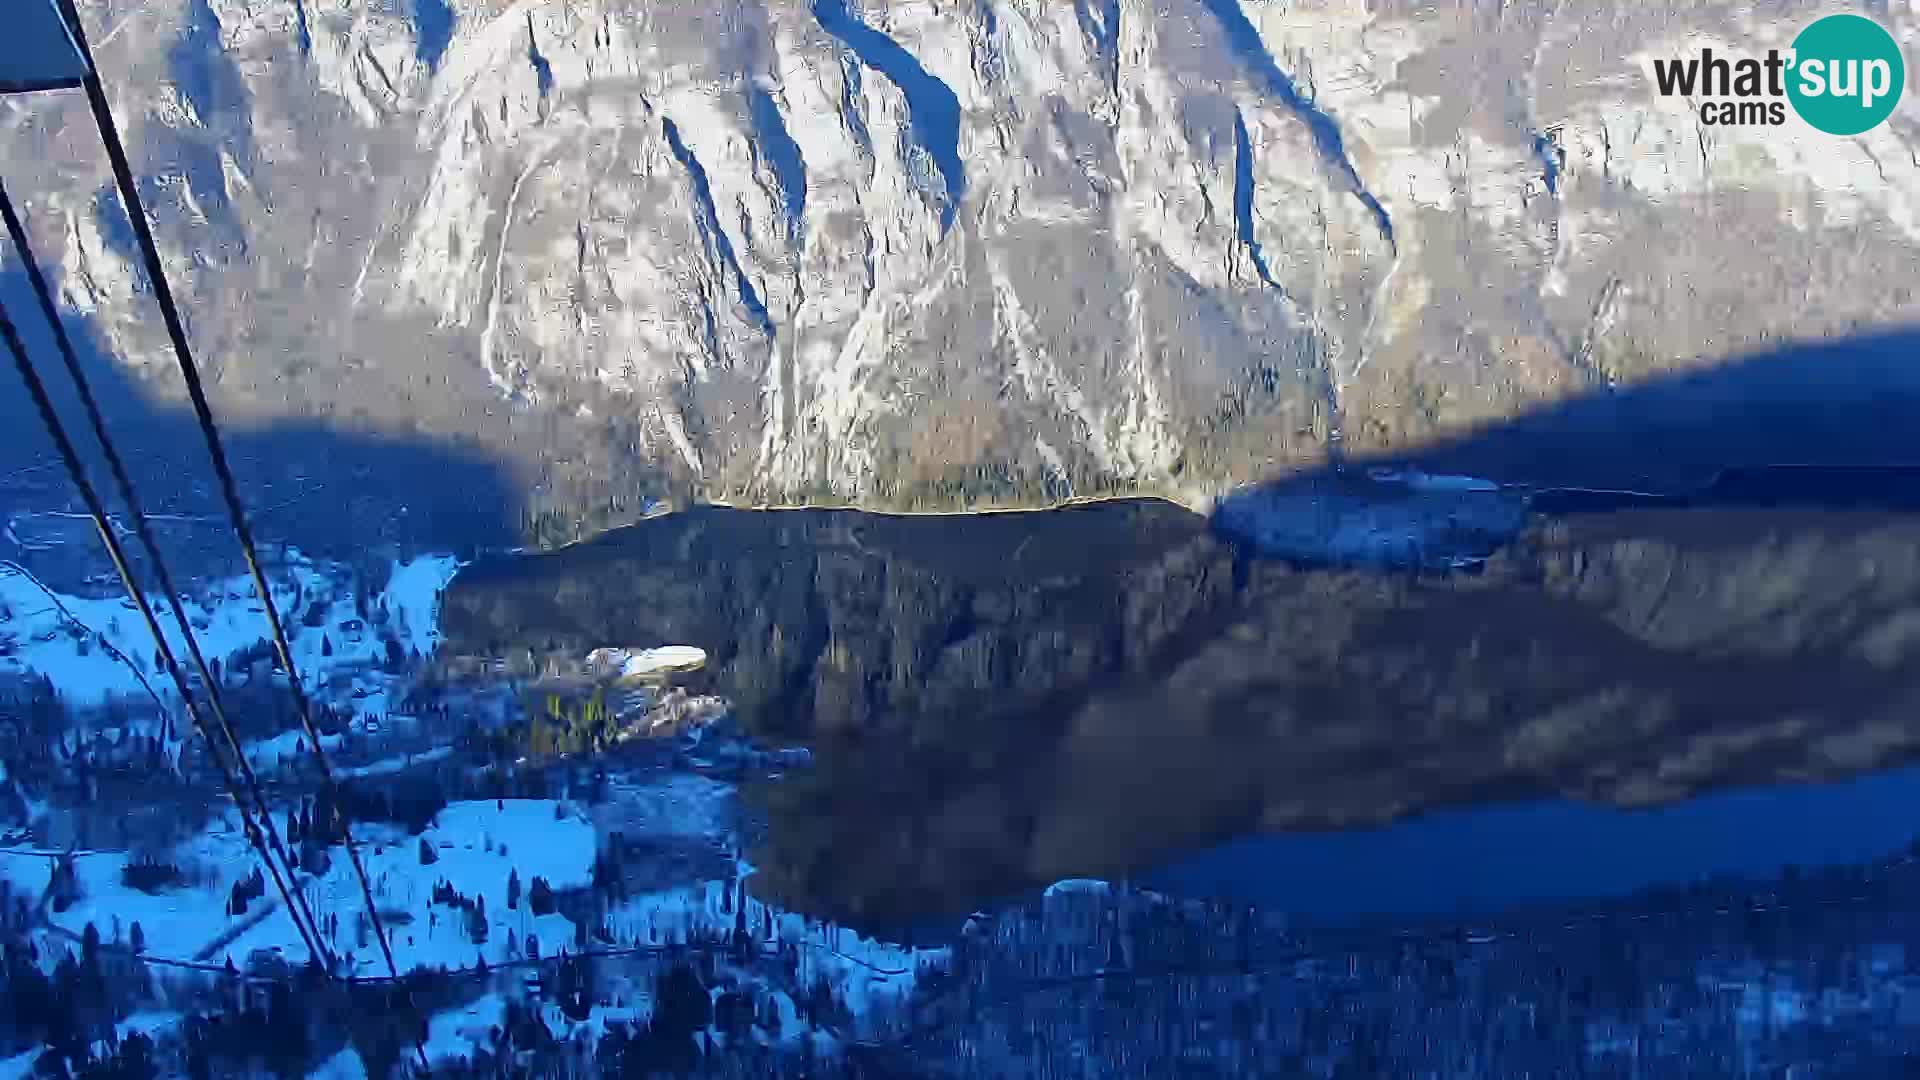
90,947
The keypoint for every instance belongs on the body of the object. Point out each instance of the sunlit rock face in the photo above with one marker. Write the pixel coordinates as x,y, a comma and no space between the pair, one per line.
929,252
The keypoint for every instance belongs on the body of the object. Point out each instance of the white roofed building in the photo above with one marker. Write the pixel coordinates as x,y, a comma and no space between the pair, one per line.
645,664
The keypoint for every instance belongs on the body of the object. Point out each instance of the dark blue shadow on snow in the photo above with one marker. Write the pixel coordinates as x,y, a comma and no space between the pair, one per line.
1481,861
200,67
1246,42
210,82
782,153
1243,198
433,22
302,33
115,227
1100,21
1552,159
1847,402
709,222
542,71
1825,424
932,107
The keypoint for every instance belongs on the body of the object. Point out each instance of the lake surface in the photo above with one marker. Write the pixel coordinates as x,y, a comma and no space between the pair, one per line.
1481,861
997,702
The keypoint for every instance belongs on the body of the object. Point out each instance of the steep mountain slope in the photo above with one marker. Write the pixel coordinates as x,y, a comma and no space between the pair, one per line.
932,252
1007,700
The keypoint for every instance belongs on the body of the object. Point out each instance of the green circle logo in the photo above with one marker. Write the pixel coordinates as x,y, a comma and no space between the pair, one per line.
1847,74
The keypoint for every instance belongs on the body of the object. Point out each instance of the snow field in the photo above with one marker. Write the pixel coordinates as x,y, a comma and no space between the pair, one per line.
226,616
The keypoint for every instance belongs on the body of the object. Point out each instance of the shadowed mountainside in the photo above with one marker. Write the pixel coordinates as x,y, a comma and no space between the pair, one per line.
1848,401
326,487
1002,700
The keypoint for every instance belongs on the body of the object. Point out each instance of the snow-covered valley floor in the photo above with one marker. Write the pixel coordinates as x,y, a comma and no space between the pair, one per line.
343,631
487,887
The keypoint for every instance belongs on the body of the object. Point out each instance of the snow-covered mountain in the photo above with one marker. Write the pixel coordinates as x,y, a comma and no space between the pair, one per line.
929,251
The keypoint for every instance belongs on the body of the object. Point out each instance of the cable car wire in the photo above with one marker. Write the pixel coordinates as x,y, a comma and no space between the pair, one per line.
183,354
64,342
77,471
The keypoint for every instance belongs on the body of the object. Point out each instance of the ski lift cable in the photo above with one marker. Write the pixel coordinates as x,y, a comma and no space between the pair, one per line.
58,432
183,354
176,333
156,563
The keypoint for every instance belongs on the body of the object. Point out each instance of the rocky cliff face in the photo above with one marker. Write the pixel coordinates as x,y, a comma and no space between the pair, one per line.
934,251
